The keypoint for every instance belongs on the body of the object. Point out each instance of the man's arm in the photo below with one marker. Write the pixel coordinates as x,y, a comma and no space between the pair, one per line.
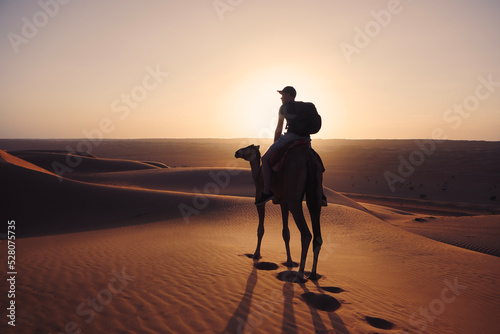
279,127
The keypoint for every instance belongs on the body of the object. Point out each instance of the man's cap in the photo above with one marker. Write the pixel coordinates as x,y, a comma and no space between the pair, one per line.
290,90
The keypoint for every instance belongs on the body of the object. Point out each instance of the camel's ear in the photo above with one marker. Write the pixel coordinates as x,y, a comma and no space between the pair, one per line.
258,147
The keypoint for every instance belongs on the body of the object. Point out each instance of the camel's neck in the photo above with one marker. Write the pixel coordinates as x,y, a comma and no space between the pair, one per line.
255,165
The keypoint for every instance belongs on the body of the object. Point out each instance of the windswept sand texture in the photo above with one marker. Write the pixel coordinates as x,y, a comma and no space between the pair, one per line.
122,246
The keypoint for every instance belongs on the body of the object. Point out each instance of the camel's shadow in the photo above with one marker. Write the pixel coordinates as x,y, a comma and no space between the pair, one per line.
250,315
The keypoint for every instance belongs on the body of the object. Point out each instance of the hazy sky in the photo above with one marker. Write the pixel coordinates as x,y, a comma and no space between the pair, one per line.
204,68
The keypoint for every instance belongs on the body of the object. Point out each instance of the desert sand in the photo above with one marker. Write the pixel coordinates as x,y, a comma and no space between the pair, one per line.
155,236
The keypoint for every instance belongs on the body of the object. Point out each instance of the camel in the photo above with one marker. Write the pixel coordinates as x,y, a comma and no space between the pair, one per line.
301,174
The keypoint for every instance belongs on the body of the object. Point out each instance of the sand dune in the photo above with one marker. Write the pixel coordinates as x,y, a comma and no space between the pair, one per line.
478,233
60,205
108,250
217,181
74,163
8,159
97,198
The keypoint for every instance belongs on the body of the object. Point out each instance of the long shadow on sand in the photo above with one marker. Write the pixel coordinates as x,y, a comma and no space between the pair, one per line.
239,319
289,324
316,302
329,304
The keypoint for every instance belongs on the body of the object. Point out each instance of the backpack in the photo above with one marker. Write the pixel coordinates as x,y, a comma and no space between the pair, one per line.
307,120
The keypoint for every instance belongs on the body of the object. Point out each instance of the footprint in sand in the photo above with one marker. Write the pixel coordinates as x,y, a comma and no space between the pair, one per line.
266,266
379,323
332,289
321,301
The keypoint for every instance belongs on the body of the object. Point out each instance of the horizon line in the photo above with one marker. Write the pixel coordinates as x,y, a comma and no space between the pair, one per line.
240,138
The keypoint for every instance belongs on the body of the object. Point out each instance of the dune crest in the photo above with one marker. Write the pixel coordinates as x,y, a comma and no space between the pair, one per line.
9,158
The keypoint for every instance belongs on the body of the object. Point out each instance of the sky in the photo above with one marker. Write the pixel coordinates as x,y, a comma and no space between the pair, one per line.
393,69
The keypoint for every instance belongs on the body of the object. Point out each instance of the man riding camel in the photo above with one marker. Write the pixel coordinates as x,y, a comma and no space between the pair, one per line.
287,111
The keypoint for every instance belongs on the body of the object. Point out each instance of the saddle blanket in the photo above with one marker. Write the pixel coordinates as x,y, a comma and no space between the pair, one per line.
278,157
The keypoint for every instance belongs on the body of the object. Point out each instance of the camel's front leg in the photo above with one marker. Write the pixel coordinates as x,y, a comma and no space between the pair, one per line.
286,235
261,210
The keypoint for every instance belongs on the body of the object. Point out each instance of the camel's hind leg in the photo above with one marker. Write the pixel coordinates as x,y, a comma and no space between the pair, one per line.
286,235
317,240
305,237
313,198
261,210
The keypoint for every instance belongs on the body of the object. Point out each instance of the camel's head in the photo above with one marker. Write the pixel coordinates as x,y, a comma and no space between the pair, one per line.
248,153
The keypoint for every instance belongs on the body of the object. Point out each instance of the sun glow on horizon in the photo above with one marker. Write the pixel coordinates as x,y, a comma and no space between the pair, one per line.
252,103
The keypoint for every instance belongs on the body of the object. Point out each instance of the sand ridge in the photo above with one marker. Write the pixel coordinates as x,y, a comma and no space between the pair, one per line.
8,159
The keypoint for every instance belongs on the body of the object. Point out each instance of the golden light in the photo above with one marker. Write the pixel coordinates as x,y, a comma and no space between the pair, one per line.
252,104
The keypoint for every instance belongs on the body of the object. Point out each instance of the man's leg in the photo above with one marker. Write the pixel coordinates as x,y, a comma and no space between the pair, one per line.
266,175
267,168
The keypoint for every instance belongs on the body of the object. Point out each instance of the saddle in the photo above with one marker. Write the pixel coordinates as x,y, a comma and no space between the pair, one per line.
278,158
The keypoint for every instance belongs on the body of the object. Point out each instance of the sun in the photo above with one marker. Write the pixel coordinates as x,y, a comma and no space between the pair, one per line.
251,104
